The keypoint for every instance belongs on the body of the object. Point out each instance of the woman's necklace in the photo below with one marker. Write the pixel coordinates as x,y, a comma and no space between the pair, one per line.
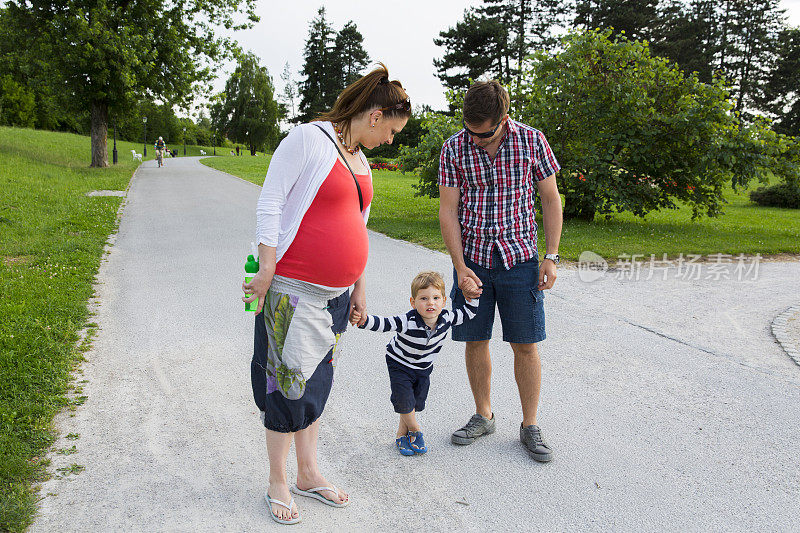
352,151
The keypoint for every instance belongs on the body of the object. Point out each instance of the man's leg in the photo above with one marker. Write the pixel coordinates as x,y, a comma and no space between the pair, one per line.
479,371
528,373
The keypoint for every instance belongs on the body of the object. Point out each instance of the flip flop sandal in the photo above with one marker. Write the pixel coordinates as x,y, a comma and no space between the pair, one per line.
315,493
270,501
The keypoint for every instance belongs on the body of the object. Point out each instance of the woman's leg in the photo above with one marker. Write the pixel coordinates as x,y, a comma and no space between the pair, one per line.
308,474
278,449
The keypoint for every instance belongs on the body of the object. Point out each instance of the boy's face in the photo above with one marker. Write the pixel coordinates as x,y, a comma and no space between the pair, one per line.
428,302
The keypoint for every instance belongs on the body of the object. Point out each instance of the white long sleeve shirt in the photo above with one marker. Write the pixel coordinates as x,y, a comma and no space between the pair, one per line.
297,170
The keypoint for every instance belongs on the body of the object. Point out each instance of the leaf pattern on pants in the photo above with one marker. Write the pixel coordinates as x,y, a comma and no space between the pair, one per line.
278,317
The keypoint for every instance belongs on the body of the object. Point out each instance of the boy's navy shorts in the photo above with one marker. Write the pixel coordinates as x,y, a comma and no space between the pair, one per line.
409,386
515,292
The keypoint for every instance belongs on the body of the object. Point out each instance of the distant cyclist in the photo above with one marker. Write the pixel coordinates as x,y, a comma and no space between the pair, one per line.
160,146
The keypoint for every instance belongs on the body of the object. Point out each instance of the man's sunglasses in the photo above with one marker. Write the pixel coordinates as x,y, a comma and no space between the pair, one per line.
404,105
484,135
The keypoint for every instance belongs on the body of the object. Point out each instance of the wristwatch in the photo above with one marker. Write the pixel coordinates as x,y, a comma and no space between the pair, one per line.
552,257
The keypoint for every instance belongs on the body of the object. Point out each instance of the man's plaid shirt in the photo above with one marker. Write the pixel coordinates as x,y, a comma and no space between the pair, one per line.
496,206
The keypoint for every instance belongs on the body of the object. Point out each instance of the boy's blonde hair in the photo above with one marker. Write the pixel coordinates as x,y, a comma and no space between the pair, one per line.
427,279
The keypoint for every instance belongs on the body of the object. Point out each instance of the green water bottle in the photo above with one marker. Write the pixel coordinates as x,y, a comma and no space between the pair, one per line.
250,269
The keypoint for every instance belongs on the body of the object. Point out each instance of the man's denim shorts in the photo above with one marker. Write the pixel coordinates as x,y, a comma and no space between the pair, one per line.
516,294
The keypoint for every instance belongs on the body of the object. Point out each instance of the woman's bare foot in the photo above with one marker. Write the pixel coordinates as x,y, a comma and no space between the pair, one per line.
306,483
280,491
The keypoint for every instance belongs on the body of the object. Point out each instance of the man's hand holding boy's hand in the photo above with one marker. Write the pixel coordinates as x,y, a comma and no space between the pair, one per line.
469,286
355,317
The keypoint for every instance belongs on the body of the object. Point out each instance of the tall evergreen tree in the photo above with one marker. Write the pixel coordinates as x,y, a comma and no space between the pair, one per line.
350,54
688,34
754,26
636,18
495,39
475,47
319,89
781,96
289,93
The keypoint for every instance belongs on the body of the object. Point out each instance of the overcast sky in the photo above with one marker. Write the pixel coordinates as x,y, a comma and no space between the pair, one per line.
398,33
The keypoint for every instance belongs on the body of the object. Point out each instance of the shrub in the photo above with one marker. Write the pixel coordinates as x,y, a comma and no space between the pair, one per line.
781,195
424,157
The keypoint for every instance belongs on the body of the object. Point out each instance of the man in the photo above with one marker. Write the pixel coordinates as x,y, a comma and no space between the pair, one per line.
160,146
486,211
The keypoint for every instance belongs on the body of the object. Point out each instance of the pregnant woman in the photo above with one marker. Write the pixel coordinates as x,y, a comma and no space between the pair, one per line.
313,247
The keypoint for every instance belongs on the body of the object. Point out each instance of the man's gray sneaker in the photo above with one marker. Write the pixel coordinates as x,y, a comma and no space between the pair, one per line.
477,426
531,437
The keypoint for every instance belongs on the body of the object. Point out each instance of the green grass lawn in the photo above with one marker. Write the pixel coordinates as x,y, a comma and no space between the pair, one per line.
51,241
743,228
251,168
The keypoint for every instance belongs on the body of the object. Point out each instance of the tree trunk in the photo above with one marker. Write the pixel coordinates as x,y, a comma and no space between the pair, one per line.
99,132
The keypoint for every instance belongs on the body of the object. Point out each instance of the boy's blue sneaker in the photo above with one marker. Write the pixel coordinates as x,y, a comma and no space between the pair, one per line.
418,443
403,445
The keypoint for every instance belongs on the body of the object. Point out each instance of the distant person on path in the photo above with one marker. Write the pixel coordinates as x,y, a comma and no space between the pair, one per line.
313,246
486,176
160,146
411,352
237,149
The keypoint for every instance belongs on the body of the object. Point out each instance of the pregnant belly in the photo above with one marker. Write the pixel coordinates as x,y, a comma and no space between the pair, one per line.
333,255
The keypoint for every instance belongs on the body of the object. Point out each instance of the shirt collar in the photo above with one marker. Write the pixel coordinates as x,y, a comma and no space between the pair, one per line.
421,321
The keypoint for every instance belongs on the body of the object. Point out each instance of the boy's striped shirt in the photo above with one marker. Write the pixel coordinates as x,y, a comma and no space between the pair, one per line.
415,344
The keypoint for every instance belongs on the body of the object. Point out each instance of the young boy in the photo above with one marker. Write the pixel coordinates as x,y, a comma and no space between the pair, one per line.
410,354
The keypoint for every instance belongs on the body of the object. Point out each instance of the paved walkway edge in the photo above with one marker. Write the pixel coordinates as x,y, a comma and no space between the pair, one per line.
779,330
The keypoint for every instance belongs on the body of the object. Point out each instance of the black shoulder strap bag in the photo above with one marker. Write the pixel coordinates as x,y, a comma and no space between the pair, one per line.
358,187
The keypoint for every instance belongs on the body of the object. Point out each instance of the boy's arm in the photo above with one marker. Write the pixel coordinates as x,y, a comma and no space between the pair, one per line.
465,312
385,323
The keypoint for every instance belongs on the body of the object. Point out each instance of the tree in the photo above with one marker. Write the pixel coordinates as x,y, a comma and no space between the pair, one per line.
26,60
349,50
495,39
321,86
423,158
289,91
688,35
475,47
634,18
119,52
633,133
17,104
751,38
781,96
247,110
531,25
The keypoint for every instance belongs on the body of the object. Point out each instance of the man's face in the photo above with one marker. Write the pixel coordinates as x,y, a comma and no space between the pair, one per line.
487,127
